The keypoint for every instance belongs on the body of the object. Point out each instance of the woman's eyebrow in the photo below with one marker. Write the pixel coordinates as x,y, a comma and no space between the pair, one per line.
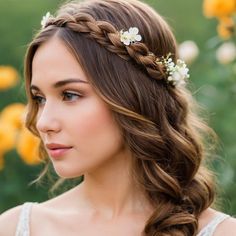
60,83
67,81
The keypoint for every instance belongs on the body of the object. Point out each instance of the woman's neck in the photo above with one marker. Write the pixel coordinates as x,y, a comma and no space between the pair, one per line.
111,191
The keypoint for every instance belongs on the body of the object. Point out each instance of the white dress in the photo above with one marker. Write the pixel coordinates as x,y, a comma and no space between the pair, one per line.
23,226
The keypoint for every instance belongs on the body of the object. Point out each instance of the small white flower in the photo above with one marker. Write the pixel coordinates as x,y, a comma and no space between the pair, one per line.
130,36
125,37
188,51
175,77
45,19
226,53
134,36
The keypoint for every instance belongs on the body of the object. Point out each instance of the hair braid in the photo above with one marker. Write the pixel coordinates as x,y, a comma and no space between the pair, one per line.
109,37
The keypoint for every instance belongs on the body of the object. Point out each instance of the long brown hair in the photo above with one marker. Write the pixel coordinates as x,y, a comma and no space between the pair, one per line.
157,120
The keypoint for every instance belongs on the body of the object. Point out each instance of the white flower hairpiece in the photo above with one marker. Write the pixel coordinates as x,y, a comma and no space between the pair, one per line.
130,36
177,73
45,20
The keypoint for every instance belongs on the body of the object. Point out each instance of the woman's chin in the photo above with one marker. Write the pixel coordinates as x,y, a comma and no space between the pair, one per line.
67,173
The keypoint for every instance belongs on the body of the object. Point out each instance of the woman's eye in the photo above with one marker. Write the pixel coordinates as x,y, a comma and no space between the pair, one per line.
69,96
39,99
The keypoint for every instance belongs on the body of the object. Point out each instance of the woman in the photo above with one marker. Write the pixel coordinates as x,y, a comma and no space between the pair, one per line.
107,98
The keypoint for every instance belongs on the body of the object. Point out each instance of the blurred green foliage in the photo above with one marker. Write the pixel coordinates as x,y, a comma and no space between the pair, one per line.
213,85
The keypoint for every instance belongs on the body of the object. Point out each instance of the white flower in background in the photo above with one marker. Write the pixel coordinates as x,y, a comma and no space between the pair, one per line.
45,19
226,53
130,36
188,51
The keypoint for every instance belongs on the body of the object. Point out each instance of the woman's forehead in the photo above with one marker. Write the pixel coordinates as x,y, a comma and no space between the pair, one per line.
53,60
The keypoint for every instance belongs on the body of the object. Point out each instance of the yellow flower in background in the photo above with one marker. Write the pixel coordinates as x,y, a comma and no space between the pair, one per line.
1,162
13,133
225,27
8,77
219,8
13,114
27,147
7,136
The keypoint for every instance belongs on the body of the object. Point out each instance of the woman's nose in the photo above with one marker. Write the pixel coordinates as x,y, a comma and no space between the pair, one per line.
48,120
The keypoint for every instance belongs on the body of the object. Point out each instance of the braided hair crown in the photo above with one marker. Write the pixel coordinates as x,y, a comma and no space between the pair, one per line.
108,34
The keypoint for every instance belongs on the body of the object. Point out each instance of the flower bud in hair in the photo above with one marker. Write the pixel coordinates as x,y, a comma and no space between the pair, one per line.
45,20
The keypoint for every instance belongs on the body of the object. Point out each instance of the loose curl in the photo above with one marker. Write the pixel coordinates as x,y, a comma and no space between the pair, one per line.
157,121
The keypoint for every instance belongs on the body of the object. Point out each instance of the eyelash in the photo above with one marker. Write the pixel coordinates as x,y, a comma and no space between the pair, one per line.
66,93
38,99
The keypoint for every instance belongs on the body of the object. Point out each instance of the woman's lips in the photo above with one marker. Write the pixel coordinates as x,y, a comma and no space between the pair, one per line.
57,150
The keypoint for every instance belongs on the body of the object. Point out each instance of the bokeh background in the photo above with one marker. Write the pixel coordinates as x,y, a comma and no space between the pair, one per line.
209,50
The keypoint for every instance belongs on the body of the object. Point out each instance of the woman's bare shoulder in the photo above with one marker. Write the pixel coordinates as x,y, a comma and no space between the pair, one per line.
226,227
9,220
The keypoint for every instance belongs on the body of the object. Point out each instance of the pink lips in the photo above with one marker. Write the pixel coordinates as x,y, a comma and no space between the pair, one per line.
56,150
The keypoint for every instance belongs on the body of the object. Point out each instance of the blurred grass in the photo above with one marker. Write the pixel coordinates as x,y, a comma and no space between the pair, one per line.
214,87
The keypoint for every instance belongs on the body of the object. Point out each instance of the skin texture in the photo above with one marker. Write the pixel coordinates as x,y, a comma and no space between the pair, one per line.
108,199
86,124
77,118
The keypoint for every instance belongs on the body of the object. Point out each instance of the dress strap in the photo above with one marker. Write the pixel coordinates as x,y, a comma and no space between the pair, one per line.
23,226
209,229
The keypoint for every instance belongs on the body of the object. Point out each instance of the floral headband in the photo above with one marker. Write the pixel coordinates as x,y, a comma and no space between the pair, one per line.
177,73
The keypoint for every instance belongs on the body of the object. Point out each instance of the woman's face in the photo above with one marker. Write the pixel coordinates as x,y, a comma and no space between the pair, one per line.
76,126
